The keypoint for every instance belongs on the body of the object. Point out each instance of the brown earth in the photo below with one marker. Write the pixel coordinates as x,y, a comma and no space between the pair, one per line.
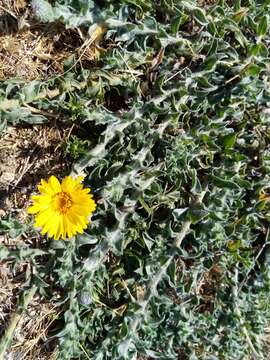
28,154
31,50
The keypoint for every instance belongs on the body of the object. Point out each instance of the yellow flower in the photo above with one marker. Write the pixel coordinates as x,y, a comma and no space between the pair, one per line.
62,209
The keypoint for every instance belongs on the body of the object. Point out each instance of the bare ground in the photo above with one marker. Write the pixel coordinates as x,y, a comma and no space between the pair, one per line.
30,49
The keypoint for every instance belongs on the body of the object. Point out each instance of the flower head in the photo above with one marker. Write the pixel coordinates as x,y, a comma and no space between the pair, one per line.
62,209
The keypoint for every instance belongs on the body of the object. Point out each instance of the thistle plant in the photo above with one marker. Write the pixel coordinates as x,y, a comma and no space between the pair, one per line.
174,120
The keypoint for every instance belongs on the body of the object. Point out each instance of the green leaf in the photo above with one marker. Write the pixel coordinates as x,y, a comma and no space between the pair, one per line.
229,141
263,26
224,183
199,16
259,50
196,214
177,213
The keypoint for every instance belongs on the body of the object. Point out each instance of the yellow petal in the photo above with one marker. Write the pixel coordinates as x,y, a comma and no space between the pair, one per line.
58,231
54,184
67,184
42,217
44,188
33,209
53,226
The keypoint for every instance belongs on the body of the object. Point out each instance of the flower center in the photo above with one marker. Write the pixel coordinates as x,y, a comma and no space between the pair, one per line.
62,202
